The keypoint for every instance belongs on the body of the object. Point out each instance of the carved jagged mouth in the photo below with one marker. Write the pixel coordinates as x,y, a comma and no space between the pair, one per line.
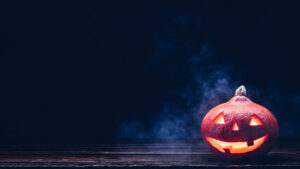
236,147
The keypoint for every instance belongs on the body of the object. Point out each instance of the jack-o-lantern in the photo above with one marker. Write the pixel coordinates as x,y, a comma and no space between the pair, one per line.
239,128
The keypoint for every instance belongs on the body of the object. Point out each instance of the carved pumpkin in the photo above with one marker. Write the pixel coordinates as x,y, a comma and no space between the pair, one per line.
239,128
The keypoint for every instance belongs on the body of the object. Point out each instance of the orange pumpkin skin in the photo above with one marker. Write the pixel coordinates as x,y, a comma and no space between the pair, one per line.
239,129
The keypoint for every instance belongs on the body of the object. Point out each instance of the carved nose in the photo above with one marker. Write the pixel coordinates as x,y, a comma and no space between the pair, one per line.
235,127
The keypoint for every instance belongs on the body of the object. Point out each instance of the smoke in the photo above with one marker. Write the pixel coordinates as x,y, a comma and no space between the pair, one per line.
198,79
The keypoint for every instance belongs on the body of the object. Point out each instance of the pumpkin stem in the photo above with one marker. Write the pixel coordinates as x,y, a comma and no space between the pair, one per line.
240,91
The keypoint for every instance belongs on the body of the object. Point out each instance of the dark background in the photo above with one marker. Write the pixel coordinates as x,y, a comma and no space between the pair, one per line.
82,71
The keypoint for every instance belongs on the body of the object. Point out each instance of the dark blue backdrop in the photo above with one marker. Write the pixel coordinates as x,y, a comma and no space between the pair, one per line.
100,71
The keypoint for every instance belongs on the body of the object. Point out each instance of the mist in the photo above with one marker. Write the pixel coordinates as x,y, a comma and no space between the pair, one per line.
198,79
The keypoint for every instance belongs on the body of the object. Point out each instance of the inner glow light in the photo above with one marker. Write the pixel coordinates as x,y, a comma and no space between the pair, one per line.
236,147
255,121
219,119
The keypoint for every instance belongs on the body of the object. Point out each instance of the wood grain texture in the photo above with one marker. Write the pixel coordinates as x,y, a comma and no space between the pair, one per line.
142,155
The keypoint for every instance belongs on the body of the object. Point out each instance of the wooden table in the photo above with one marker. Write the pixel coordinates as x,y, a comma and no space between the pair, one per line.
175,154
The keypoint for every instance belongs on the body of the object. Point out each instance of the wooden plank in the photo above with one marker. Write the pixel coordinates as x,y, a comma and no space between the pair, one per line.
182,155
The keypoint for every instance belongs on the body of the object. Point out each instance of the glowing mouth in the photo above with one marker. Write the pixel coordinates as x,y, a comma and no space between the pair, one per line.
236,147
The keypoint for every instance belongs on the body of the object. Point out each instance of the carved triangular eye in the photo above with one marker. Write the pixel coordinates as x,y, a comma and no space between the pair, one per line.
219,119
255,121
